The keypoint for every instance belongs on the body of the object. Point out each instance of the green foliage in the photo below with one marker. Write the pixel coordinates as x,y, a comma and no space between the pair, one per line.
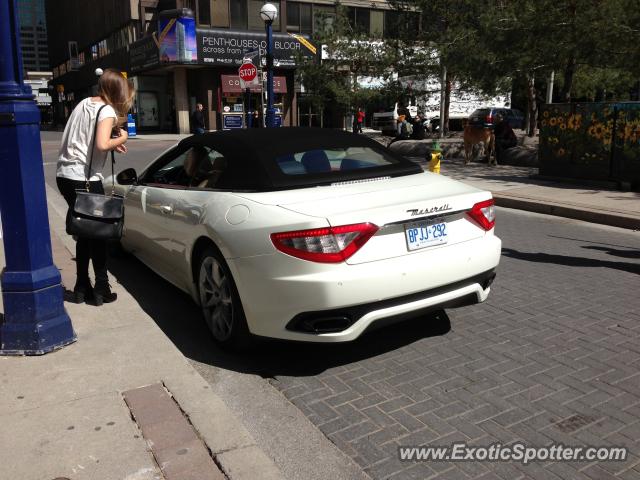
487,46
596,84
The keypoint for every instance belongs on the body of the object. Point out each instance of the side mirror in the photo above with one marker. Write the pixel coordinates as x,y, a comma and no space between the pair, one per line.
127,177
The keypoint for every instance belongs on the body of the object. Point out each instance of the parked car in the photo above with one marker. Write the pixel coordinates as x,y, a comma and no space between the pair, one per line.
456,123
307,234
485,117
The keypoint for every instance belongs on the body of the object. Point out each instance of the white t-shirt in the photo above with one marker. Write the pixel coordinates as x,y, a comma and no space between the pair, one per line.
73,159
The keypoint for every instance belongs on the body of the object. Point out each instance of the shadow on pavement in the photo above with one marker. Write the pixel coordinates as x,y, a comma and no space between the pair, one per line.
571,261
615,252
180,319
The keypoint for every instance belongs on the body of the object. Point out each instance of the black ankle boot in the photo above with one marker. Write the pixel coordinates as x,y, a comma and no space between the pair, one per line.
102,294
82,291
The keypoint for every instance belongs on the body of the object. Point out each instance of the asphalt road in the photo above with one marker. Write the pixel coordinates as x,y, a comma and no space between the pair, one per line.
552,356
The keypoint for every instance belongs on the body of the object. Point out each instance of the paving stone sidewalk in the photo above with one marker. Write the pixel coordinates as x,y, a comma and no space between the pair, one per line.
552,356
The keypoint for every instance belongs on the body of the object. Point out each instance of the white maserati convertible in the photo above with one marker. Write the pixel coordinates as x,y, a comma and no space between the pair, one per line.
307,234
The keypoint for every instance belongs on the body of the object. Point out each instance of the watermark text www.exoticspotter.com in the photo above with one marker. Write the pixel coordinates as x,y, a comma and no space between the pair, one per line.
516,452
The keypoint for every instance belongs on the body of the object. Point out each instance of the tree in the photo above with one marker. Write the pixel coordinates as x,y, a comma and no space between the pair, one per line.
519,41
350,54
448,30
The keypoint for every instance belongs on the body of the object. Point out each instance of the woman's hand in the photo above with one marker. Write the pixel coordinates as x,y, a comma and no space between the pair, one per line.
109,136
121,148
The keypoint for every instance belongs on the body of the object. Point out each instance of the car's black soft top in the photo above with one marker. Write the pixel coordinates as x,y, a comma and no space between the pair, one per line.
251,156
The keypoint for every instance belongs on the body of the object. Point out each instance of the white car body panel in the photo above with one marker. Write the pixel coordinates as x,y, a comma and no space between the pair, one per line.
162,226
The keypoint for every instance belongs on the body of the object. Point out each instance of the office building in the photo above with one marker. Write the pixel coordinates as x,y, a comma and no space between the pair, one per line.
33,35
183,52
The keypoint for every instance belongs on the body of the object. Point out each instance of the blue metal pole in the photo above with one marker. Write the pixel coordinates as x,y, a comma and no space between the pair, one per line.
271,112
34,320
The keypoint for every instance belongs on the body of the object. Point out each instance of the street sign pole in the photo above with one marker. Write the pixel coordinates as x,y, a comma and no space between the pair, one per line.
34,320
271,112
249,113
248,75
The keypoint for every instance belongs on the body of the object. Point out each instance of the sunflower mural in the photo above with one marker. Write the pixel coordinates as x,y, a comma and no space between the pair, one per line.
576,140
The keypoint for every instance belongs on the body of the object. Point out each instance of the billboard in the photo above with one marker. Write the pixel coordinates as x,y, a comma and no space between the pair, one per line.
177,40
229,47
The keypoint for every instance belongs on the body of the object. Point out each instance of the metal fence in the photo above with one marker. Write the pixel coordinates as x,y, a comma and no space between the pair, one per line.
592,141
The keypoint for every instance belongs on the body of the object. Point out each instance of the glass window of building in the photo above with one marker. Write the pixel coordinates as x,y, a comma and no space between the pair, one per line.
204,12
299,17
359,19
293,17
398,24
324,17
306,18
238,13
377,23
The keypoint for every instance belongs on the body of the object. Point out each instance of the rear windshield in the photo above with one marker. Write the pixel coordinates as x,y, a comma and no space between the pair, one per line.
333,160
481,112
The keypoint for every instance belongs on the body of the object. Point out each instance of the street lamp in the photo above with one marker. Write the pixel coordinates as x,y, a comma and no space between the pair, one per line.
34,321
269,13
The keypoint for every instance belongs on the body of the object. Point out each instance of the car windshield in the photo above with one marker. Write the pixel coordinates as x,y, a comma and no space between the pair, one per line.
333,160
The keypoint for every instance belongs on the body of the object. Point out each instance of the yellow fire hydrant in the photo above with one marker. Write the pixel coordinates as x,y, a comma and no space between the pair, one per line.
436,157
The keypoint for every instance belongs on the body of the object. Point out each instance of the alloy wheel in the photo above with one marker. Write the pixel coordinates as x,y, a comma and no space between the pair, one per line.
216,299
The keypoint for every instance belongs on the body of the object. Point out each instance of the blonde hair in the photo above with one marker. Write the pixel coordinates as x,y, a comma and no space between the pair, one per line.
116,91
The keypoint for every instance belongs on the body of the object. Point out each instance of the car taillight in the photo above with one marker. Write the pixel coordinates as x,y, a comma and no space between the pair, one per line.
325,245
484,214
488,119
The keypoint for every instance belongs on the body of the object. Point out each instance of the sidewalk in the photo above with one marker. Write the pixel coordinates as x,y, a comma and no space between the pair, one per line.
80,412
520,188
63,414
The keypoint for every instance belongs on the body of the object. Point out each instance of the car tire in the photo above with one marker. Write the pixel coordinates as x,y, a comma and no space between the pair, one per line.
220,303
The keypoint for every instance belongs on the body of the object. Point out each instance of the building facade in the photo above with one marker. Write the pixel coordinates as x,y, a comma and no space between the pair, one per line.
183,52
33,35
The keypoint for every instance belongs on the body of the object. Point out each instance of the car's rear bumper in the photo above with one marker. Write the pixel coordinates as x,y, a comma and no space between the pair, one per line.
275,299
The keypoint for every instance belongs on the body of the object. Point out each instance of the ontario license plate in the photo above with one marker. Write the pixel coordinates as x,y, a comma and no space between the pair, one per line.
424,234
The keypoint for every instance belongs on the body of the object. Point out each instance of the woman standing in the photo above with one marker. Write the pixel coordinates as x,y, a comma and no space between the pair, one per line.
80,147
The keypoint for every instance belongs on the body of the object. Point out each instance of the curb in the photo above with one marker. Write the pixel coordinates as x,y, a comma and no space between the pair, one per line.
558,210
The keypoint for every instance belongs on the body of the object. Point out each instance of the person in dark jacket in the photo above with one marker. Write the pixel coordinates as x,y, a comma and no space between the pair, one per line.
197,120
504,136
418,128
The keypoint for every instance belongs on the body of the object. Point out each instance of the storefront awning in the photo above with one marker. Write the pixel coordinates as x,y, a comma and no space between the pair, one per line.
231,84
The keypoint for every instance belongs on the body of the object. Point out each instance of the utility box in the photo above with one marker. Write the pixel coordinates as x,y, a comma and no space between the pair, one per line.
131,125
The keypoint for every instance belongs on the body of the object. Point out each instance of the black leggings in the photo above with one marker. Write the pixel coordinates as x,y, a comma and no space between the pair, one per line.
86,248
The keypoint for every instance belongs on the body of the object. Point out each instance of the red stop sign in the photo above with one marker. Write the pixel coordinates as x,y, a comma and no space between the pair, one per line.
247,72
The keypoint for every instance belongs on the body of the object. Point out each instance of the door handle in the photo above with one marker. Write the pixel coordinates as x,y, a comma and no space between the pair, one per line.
166,209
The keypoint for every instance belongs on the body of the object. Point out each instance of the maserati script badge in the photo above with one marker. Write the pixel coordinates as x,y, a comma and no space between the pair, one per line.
425,211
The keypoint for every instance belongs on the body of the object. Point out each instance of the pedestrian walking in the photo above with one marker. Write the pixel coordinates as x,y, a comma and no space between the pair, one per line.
359,119
197,120
91,132
256,122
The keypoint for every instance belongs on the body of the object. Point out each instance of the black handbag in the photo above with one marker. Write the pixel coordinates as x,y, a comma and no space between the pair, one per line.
95,215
